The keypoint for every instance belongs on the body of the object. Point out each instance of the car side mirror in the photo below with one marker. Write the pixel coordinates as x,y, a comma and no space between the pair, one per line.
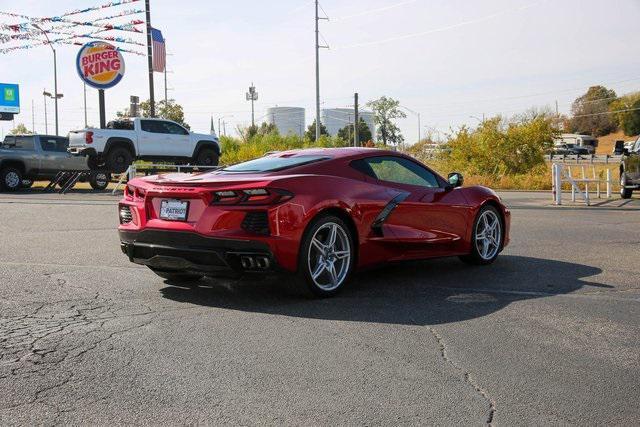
455,179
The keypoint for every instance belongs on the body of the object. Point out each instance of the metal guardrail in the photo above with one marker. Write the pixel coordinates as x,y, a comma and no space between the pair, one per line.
583,158
133,170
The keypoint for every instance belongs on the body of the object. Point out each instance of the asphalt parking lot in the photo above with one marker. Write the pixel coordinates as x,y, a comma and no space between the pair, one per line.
549,334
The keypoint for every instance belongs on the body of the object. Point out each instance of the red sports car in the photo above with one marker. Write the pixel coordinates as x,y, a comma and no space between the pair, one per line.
318,214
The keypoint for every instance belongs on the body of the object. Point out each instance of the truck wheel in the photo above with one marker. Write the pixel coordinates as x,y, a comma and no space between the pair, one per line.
625,193
99,180
10,179
207,157
119,159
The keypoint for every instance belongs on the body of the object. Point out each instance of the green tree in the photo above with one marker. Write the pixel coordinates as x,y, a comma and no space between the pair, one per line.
310,134
364,133
591,112
386,111
170,110
20,129
626,113
501,147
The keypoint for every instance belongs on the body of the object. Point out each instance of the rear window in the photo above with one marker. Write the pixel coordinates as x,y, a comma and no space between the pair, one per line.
19,142
270,164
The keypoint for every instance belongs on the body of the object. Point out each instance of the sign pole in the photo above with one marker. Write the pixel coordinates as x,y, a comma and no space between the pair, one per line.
152,105
103,120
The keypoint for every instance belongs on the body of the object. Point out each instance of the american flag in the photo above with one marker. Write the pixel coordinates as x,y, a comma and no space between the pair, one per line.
159,52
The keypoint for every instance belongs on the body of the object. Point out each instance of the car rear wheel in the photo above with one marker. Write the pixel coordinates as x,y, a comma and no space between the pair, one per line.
487,237
177,277
625,193
326,256
119,159
10,179
99,180
207,157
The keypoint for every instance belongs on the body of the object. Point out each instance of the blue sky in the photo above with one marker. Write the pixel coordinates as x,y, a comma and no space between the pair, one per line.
447,59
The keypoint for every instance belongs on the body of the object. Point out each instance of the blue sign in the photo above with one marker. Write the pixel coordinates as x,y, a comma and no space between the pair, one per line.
9,98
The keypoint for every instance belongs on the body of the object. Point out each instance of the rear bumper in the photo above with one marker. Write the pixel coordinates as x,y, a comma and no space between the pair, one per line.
191,252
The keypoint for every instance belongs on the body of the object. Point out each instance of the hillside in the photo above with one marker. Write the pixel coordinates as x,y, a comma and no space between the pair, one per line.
607,142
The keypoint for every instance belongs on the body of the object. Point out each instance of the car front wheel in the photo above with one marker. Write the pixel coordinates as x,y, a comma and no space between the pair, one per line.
326,256
625,193
486,241
10,179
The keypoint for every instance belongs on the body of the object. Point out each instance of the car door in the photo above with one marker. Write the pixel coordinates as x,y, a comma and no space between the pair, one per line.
633,163
161,138
429,219
54,154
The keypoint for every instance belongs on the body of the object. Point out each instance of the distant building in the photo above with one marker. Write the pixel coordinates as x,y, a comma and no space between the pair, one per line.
288,120
335,119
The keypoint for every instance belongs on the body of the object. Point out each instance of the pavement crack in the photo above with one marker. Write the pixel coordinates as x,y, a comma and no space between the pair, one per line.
468,377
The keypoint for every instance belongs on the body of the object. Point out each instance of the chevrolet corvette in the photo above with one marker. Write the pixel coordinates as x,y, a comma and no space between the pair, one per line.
318,215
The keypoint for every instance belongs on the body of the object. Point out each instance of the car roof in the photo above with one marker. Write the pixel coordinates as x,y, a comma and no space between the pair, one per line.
336,153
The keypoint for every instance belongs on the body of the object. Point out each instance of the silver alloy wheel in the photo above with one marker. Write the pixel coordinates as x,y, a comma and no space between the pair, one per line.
488,234
623,182
12,180
329,256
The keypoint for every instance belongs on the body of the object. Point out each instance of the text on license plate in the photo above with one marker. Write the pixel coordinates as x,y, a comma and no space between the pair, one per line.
174,210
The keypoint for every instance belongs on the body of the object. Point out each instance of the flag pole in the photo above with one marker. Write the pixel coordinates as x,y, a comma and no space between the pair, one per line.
152,105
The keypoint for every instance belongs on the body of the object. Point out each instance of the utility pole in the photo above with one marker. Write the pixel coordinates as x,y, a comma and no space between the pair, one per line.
85,104
46,127
152,104
56,95
252,96
557,108
33,116
356,139
165,86
318,125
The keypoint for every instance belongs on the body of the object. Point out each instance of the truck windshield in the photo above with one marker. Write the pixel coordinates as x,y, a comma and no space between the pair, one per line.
270,164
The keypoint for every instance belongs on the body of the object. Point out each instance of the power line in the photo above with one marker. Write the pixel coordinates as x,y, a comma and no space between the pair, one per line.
441,29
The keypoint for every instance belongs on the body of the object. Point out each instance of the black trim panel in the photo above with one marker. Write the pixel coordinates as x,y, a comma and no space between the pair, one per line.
386,211
184,251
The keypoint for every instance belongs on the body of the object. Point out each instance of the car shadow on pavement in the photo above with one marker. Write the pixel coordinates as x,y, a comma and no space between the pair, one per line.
420,293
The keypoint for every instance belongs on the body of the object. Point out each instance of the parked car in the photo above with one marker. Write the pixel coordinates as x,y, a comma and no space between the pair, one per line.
116,147
587,142
317,214
26,158
630,170
570,149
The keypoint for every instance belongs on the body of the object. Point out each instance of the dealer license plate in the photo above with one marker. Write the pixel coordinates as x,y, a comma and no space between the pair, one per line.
174,210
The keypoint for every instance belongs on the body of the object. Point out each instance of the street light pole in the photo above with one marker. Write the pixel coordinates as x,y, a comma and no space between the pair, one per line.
55,74
46,126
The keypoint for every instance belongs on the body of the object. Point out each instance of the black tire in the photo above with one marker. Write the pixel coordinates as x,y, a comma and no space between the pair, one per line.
207,157
177,277
26,183
478,256
119,159
625,193
310,257
10,179
99,180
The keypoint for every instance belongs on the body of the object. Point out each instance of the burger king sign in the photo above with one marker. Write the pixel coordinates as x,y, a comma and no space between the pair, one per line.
100,65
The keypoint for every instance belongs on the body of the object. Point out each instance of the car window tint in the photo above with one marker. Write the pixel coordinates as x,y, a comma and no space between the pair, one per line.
147,125
401,171
54,144
20,142
174,129
273,163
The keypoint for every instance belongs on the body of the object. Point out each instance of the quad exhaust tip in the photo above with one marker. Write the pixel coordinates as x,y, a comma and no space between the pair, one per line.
255,262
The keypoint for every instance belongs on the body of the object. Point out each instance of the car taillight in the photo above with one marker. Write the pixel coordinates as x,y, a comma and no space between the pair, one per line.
252,196
88,137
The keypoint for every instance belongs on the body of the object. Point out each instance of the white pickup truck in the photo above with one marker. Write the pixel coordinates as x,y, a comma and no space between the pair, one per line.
141,138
